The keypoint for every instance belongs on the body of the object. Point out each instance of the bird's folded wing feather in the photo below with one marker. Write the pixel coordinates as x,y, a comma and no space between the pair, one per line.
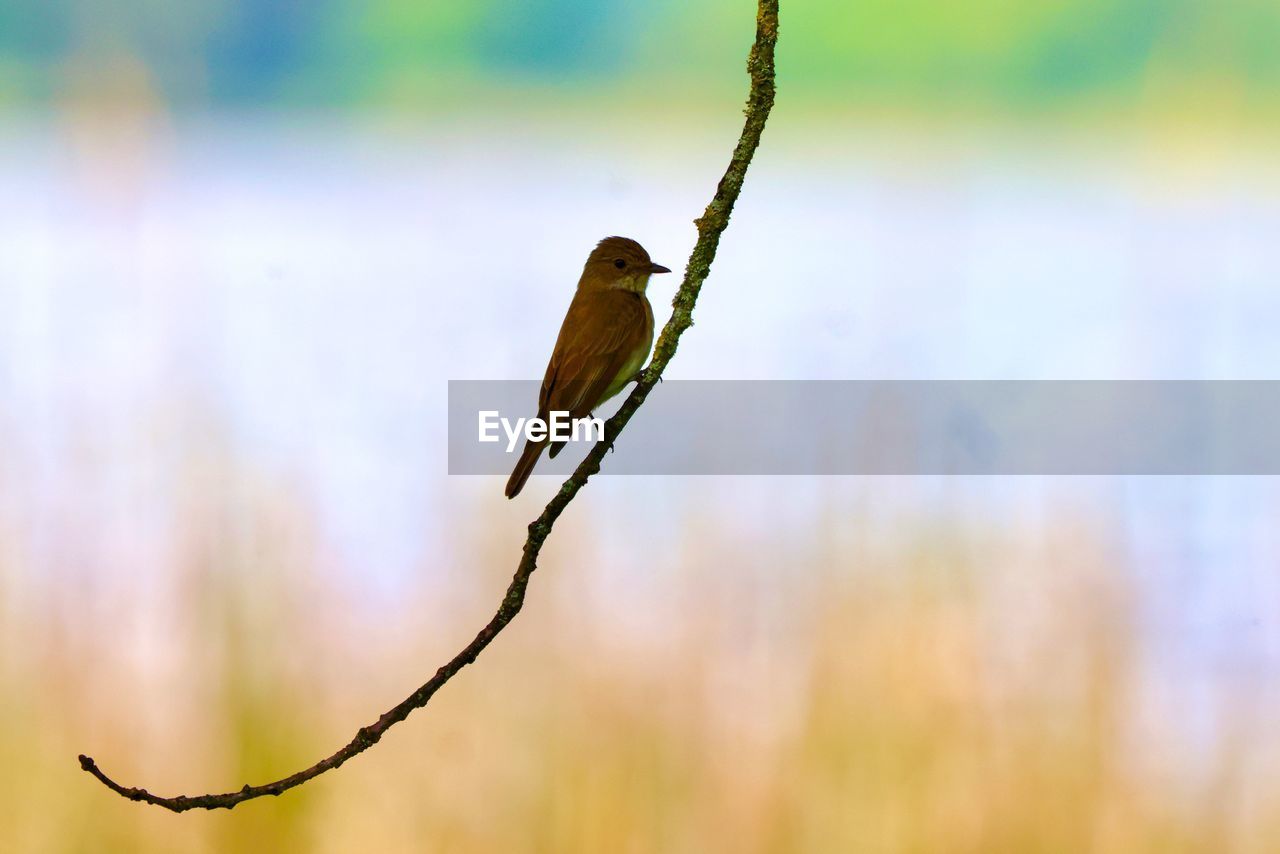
600,334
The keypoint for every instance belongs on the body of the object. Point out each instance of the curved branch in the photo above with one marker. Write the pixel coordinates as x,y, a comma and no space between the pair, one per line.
712,223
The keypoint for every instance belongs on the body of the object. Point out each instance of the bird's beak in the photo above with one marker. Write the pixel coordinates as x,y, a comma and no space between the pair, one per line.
658,268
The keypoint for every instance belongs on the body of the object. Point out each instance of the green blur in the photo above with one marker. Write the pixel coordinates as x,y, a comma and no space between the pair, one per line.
218,53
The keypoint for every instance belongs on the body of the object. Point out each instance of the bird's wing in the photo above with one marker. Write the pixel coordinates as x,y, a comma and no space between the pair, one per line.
600,334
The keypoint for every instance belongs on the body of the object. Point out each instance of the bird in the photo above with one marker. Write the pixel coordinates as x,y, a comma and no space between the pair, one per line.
604,341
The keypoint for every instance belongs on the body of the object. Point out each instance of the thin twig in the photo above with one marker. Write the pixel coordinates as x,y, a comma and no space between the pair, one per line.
711,224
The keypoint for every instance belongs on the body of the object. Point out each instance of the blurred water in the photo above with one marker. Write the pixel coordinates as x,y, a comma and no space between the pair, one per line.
295,296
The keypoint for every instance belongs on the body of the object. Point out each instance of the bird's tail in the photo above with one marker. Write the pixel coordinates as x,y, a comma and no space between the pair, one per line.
524,467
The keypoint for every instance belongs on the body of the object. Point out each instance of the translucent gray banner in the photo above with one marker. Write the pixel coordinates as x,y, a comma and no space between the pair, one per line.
901,428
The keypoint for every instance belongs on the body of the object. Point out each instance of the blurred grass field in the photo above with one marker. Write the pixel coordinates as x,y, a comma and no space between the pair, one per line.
931,686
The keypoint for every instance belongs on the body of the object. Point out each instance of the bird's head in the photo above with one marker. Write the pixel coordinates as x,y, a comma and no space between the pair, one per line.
619,262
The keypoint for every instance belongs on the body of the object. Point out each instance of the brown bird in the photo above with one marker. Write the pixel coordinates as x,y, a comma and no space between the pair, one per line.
604,341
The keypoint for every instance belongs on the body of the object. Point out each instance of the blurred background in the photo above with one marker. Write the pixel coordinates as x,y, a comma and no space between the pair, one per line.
244,245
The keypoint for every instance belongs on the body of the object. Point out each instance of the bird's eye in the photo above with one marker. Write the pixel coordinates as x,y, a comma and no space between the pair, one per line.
620,264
